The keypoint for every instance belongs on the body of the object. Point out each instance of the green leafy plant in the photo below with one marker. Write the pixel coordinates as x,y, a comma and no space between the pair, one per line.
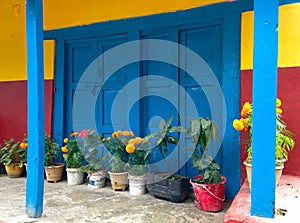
203,131
72,154
51,150
90,143
12,152
165,137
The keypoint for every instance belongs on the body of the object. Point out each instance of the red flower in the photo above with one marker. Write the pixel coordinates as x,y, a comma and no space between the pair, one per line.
83,134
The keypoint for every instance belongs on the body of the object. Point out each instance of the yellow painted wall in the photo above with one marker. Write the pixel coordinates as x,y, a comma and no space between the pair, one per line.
66,13
288,37
13,43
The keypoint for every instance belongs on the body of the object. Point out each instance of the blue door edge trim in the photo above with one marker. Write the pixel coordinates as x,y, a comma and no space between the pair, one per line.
58,97
231,91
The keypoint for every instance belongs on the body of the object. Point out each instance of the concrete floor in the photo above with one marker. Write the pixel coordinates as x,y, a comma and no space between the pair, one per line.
63,203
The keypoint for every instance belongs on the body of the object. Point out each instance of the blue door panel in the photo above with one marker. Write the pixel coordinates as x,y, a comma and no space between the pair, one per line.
204,42
79,56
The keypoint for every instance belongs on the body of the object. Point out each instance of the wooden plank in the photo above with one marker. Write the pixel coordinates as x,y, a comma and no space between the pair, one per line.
35,72
264,104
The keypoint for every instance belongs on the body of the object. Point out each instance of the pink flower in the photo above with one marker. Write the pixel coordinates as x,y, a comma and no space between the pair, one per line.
83,134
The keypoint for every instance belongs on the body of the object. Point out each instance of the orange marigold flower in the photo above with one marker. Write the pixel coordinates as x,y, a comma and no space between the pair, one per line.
66,140
120,133
278,110
126,133
138,140
130,148
64,149
115,135
131,133
278,102
74,134
23,145
238,125
64,155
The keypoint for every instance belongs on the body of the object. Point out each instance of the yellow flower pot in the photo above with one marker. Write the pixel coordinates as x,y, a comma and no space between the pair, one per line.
13,170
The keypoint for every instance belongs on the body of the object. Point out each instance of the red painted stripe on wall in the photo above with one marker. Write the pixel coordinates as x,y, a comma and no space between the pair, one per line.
288,83
13,112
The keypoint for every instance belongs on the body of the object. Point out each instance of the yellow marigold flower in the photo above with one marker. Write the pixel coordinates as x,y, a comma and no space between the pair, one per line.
103,139
23,145
66,140
238,125
120,133
278,110
114,135
108,138
131,133
64,149
278,102
131,141
74,134
247,109
64,155
126,133
130,148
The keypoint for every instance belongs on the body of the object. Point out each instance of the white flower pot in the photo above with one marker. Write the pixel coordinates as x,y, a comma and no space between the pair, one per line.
75,176
96,181
137,185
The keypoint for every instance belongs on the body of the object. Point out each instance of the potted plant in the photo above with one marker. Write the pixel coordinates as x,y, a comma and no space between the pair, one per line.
166,185
90,143
73,159
13,156
284,138
116,145
139,150
209,185
53,169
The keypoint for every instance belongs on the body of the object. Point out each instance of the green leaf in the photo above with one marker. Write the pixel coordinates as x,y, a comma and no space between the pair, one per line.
162,123
195,126
177,129
195,139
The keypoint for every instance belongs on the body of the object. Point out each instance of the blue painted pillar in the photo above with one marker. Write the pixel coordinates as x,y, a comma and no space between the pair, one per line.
264,107
35,72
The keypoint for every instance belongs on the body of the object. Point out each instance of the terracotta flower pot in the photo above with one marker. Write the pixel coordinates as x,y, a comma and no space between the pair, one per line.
54,173
118,180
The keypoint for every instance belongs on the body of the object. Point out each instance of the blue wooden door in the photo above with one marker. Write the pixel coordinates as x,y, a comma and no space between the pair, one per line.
207,43
162,92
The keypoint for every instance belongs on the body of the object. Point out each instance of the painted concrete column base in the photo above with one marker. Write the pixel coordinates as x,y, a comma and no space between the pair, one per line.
287,198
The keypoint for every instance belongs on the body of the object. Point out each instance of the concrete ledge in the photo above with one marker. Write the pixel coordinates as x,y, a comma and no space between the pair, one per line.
287,197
